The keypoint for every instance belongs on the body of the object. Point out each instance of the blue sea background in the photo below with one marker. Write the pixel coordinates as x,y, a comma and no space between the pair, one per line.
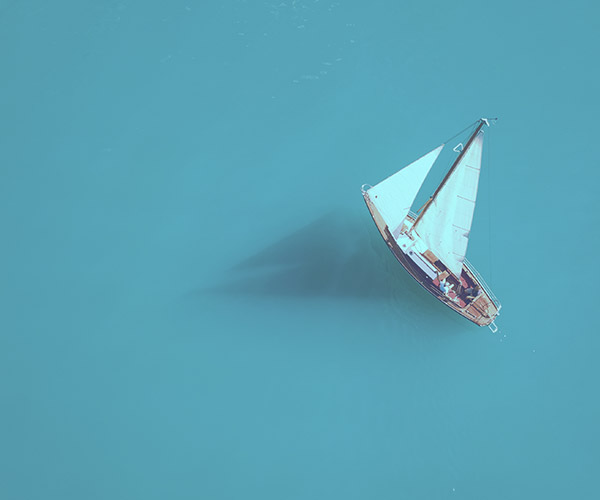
195,301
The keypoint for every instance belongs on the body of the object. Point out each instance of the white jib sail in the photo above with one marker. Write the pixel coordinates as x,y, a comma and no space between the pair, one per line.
394,196
446,222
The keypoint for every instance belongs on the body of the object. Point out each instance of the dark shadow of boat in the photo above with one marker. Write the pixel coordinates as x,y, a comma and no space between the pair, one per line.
337,257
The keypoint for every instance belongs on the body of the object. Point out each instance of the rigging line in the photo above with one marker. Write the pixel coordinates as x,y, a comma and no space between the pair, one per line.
463,130
489,165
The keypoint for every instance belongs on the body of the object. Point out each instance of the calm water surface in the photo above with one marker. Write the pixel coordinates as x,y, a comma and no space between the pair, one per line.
195,301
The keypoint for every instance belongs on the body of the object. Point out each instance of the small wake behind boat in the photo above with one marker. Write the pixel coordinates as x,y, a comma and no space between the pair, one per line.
432,245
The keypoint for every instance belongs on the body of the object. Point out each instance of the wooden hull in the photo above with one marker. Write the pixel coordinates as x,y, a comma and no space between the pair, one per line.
481,310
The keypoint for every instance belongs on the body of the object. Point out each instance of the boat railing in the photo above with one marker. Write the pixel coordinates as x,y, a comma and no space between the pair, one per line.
483,284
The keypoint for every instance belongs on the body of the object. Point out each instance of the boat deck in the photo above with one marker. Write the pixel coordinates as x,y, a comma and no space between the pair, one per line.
470,296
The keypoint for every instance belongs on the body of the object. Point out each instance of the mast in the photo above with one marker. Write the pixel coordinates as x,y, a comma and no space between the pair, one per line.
482,122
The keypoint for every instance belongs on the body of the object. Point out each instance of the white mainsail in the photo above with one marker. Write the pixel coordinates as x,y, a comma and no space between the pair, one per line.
394,196
445,223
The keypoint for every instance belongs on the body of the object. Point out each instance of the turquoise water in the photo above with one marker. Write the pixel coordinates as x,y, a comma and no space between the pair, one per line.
195,301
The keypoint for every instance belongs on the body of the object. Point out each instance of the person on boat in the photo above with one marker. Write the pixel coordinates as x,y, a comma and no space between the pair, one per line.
444,288
472,292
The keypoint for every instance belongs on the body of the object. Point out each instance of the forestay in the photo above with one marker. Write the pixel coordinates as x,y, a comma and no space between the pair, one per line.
394,196
445,224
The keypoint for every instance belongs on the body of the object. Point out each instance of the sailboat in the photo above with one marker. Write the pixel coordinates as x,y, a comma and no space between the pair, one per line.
432,244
